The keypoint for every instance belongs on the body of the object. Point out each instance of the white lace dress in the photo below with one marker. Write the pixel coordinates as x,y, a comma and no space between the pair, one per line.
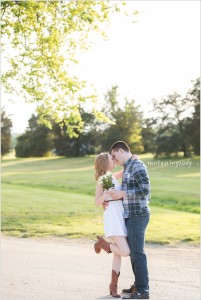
114,223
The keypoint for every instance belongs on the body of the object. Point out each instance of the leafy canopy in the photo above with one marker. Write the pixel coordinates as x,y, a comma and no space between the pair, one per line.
41,40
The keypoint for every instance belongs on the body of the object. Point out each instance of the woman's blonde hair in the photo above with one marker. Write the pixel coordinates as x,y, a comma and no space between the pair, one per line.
101,164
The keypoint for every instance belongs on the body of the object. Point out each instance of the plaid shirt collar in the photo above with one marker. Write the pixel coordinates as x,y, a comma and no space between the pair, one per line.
127,162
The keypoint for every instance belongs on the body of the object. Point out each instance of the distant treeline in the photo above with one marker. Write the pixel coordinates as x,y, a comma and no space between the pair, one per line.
173,127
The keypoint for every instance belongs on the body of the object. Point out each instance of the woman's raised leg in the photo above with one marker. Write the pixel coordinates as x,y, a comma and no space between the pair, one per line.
120,246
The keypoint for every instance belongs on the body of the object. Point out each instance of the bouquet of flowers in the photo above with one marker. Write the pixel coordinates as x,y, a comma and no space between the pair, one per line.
106,181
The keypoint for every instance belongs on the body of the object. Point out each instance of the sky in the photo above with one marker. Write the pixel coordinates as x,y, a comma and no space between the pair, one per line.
150,58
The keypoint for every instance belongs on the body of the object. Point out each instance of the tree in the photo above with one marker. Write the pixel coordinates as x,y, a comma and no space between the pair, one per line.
127,124
167,140
148,136
193,125
176,122
41,40
36,141
6,125
85,143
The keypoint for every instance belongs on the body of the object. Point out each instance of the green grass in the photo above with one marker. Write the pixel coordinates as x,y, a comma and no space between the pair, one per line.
175,188
61,174
42,213
55,197
39,212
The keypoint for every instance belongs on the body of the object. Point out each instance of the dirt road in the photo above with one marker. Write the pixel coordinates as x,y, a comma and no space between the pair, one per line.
70,269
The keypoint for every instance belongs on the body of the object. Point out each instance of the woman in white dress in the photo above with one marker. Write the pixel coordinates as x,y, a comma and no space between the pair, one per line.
114,224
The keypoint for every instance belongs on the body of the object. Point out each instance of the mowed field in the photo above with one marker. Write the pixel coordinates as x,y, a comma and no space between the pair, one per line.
54,197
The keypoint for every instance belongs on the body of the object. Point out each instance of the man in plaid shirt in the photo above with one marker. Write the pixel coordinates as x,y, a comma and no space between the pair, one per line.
136,196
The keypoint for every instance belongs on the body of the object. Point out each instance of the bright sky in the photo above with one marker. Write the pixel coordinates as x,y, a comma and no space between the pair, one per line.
151,58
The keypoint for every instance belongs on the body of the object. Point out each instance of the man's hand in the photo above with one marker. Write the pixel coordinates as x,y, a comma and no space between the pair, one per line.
105,204
116,195
135,156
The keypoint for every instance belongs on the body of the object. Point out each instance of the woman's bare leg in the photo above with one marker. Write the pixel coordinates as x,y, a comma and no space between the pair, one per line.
116,263
120,246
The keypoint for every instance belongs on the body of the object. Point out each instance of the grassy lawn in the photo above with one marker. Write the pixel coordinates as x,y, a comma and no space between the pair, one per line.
30,212
54,197
172,187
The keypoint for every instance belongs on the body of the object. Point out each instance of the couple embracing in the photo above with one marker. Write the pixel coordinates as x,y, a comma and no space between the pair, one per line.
126,216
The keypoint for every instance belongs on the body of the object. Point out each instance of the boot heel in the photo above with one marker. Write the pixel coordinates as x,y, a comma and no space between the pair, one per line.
110,290
113,285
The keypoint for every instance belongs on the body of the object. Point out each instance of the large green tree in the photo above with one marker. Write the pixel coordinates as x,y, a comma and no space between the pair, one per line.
36,141
6,125
148,136
127,120
40,43
86,143
170,115
176,123
193,125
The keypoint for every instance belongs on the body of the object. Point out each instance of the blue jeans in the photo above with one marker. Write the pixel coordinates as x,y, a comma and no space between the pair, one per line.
136,226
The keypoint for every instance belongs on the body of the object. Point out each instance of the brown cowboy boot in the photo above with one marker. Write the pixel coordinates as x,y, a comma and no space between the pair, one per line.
102,244
113,285
97,246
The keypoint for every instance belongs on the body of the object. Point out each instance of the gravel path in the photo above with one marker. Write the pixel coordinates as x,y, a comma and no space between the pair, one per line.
70,269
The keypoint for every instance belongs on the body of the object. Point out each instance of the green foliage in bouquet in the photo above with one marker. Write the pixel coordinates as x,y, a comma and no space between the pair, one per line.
106,181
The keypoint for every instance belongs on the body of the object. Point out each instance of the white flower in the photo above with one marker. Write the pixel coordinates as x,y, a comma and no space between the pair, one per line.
106,181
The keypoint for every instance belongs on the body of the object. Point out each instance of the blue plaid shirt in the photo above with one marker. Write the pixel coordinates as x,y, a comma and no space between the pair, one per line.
136,184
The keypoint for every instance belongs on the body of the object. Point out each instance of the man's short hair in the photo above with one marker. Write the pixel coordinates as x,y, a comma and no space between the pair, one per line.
120,145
